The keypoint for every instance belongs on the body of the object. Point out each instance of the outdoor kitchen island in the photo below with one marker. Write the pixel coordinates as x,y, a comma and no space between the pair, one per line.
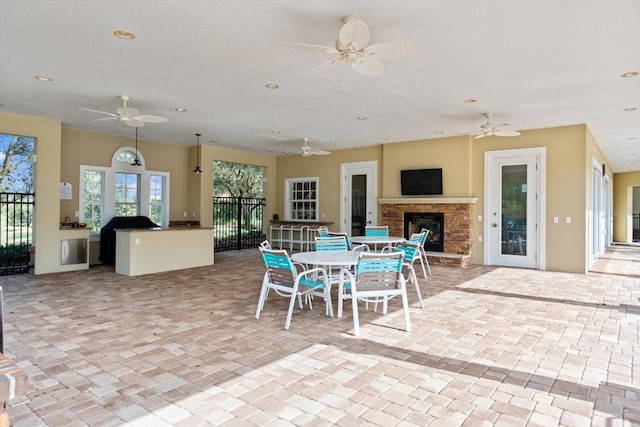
153,250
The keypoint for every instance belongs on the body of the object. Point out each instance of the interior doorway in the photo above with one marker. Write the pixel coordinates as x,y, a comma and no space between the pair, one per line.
358,194
514,225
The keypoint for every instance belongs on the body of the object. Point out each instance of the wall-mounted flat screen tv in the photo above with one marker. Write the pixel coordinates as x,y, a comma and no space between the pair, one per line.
418,182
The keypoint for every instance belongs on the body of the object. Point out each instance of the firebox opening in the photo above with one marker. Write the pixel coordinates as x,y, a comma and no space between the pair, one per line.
414,222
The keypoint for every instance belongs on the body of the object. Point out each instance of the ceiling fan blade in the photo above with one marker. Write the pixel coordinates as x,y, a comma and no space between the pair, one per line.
134,122
324,65
480,135
506,133
127,112
106,118
151,119
354,33
368,66
388,50
313,47
100,112
320,152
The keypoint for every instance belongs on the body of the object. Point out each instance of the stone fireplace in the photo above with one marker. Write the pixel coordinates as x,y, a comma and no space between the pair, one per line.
457,236
415,222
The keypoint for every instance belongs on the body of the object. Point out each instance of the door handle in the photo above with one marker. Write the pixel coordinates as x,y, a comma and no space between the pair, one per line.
494,225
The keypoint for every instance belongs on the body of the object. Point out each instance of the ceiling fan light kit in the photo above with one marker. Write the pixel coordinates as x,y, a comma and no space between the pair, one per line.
490,129
352,47
307,151
129,115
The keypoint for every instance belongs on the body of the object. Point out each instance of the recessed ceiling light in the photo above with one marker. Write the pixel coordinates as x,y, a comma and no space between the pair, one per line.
181,110
362,118
272,86
630,74
469,101
118,125
439,131
275,132
213,141
384,138
630,109
631,138
633,154
44,78
124,35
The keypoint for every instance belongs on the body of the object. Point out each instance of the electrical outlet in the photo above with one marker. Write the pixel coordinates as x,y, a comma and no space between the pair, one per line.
137,241
77,214
185,214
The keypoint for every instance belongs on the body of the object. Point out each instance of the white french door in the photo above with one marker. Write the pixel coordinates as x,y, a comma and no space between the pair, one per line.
513,206
358,196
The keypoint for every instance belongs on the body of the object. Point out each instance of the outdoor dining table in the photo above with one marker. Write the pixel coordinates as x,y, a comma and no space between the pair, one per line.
329,259
377,240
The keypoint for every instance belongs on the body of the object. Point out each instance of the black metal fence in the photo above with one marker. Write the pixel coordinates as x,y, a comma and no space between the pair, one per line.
16,234
238,222
636,227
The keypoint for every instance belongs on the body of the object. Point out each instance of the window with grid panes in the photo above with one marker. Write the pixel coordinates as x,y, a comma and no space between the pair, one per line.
301,202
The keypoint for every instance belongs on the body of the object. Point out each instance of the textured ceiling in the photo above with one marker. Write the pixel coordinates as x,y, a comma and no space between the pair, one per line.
533,64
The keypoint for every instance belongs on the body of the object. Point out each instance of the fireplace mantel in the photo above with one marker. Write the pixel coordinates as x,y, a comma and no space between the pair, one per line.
427,200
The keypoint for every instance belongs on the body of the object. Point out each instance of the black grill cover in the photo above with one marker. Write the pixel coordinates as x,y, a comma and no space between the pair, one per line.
108,234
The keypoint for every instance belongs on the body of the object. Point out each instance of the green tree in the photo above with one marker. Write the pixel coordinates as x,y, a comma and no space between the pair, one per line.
237,180
16,165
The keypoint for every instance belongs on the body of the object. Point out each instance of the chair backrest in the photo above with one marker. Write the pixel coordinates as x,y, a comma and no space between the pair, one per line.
376,230
340,233
265,244
419,237
280,269
323,231
338,243
376,271
410,248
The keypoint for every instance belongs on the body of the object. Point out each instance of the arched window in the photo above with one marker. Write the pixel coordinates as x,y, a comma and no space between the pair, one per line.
124,189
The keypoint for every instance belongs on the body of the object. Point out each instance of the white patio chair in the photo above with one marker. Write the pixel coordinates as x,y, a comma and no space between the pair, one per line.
283,277
421,238
378,277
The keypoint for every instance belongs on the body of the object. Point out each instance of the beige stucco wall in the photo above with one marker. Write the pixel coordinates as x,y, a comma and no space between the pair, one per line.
90,148
46,237
327,168
623,184
453,155
569,153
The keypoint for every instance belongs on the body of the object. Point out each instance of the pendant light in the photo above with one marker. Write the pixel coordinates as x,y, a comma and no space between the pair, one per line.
136,162
197,168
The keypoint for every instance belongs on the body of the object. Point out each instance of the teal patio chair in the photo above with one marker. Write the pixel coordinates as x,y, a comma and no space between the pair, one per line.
378,277
283,277
421,239
411,251
376,230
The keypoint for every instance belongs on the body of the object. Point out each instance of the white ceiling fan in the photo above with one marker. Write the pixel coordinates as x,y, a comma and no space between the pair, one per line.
352,48
307,151
489,129
129,115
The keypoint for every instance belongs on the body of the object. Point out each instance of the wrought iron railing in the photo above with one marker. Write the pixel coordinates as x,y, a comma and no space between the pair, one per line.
16,232
238,222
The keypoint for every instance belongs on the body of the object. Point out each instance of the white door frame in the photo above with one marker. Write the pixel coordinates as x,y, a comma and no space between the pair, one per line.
539,153
347,170
596,240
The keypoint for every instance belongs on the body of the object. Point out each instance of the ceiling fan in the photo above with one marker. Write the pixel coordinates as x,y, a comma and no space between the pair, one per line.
489,129
307,151
351,48
129,115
